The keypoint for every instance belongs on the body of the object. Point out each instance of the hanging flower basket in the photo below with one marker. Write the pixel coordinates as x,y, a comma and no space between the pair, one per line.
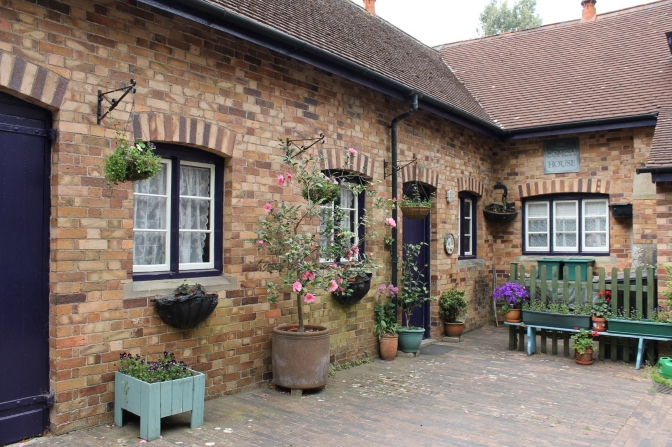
496,213
188,308
415,212
131,162
359,287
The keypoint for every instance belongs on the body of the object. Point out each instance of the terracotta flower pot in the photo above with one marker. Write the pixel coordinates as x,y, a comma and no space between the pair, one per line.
599,324
389,344
300,359
584,359
513,316
454,329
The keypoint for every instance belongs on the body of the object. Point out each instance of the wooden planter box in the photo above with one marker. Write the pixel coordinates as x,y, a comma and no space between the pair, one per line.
152,401
535,318
649,328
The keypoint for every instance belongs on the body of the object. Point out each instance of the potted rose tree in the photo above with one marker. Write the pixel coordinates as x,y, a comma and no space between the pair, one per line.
310,249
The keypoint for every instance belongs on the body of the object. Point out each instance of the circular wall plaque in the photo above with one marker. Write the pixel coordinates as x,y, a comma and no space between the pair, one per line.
449,243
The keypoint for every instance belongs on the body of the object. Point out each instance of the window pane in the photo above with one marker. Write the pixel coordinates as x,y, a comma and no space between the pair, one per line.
565,209
538,225
156,185
347,199
595,240
149,248
194,181
467,244
565,240
538,240
194,214
192,247
150,212
537,210
596,208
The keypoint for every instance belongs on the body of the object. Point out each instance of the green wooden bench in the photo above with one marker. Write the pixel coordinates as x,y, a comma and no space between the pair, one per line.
519,330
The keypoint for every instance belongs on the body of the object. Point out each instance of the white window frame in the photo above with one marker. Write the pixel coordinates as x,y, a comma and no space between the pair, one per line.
575,248
356,209
585,233
211,223
469,226
527,227
166,265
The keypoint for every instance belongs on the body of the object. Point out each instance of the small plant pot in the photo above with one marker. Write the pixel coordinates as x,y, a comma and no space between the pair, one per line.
358,290
454,329
389,344
599,324
584,359
513,316
415,212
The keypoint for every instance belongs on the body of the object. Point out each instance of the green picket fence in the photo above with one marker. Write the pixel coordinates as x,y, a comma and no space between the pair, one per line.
634,289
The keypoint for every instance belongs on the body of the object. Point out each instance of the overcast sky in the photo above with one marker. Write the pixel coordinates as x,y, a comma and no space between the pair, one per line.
435,22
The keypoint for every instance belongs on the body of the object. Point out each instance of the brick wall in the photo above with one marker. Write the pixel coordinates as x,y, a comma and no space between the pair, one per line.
608,160
238,99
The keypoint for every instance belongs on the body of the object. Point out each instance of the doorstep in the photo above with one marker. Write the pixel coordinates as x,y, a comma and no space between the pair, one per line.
425,342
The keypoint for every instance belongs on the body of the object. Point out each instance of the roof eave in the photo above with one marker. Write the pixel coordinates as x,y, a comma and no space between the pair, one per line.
216,17
624,122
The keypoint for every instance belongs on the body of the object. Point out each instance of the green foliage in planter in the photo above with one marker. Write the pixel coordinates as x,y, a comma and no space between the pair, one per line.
584,340
415,199
131,162
413,291
318,187
164,369
452,305
385,313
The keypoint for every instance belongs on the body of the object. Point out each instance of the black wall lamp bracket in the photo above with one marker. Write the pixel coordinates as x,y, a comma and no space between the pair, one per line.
113,102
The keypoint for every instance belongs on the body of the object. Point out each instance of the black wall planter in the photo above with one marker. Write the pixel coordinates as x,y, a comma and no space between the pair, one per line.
186,311
621,210
494,213
358,289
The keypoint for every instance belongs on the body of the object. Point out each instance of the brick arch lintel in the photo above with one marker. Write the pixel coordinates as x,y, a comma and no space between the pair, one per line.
32,82
471,184
157,127
415,173
335,158
556,186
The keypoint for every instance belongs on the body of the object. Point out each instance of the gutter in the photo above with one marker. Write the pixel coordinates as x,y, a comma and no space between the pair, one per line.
216,17
655,170
208,14
395,186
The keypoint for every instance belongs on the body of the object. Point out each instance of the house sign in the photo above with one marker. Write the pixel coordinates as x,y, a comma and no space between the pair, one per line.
561,155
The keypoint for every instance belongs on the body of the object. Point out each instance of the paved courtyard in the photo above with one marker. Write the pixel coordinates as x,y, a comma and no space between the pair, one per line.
475,393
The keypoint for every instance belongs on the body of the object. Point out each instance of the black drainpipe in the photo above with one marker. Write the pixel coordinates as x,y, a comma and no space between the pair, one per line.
395,186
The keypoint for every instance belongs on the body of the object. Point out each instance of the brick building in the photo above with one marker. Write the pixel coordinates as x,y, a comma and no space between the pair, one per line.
218,82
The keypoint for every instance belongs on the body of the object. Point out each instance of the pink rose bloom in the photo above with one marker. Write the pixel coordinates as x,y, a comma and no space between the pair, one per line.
335,182
268,207
309,298
333,285
297,286
281,180
382,288
261,243
333,266
339,280
354,248
341,289
391,290
390,222
352,151
394,199
308,276
289,176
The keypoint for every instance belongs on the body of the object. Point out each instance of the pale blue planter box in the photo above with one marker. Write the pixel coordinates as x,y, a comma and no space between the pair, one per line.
152,401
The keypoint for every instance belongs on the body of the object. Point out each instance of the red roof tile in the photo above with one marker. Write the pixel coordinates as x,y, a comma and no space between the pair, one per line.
618,66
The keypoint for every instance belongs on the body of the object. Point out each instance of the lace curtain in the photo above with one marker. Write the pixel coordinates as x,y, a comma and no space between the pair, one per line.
194,213
151,201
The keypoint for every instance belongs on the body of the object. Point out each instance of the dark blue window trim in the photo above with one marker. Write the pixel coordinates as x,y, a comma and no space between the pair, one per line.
559,197
177,154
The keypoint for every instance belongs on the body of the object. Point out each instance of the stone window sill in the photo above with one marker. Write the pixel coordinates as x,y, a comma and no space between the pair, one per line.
165,287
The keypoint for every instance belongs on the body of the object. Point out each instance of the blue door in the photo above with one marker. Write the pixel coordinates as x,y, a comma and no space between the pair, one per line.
416,232
24,250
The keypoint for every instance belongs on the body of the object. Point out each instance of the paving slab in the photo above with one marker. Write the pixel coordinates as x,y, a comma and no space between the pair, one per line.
473,393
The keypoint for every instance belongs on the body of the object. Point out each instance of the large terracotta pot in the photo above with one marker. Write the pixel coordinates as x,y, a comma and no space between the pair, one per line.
513,316
388,346
585,359
599,324
454,329
300,359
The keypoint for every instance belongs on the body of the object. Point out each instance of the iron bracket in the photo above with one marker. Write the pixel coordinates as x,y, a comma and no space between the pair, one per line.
387,164
304,148
113,102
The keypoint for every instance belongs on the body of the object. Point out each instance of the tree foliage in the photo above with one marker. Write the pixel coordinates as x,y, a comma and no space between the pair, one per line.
498,18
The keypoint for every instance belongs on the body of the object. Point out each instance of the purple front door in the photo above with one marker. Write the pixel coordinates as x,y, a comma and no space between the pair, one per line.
24,249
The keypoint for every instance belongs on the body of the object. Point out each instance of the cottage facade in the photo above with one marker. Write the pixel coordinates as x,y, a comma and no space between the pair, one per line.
216,95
